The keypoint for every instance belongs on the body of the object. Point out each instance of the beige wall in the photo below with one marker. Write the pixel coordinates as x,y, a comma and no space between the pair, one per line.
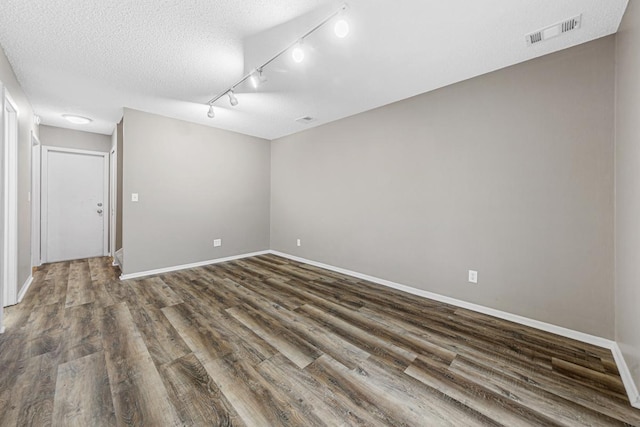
70,138
510,174
26,126
628,189
195,184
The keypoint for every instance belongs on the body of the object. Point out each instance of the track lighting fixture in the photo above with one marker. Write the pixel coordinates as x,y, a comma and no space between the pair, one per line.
232,98
298,53
255,77
341,29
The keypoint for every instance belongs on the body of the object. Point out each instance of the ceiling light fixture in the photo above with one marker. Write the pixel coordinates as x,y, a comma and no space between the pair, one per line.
77,120
232,98
256,76
341,29
298,53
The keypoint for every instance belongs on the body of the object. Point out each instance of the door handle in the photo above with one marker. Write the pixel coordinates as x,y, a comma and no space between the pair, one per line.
99,211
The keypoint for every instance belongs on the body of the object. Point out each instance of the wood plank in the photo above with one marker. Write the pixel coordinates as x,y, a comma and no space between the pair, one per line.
195,395
160,337
155,292
326,405
541,401
138,393
80,290
257,401
83,394
37,399
83,331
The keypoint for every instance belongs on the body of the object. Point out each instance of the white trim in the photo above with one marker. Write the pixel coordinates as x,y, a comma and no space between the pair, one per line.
548,327
25,288
625,374
45,197
186,266
118,258
36,157
113,159
10,248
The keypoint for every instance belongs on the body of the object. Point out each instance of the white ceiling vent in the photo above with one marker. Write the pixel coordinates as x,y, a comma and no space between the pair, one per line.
306,120
554,30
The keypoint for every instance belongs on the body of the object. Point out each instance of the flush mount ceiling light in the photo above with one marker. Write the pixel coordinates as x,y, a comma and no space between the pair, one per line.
256,76
77,120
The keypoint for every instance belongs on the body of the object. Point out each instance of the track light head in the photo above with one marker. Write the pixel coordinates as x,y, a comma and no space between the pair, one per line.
298,53
257,78
232,98
211,114
341,28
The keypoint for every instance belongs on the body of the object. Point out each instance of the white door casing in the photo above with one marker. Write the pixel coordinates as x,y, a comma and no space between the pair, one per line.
75,204
10,200
113,159
36,260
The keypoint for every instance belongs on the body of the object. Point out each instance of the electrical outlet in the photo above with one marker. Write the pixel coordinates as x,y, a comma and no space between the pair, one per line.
217,242
134,197
298,243
473,276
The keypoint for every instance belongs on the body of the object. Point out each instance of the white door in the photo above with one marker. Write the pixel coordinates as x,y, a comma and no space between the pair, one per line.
75,195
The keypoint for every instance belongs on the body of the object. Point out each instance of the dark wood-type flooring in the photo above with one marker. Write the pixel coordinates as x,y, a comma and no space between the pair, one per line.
266,341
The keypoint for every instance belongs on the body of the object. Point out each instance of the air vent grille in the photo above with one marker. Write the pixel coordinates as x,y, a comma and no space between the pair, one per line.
554,30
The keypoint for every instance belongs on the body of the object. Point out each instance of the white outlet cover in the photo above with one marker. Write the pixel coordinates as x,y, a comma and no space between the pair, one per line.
134,197
217,242
473,276
298,242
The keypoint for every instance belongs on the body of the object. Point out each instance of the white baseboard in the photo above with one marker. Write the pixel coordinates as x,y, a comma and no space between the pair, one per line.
548,327
186,266
625,374
25,288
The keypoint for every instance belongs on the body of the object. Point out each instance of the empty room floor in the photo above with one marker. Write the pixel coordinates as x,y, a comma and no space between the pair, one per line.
266,341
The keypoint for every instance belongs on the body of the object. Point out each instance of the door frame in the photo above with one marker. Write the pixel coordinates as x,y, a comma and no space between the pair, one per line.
36,158
10,200
113,159
45,197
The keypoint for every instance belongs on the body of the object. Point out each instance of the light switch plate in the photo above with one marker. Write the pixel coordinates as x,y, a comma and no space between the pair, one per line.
217,242
134,197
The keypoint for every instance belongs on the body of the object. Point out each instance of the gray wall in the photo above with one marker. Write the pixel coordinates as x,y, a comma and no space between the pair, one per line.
195,184
628,189
510,174
25,127
69,138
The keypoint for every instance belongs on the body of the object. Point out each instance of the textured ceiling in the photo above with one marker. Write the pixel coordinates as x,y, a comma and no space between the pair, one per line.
169,57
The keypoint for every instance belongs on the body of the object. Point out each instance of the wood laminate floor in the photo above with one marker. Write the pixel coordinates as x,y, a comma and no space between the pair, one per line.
266,341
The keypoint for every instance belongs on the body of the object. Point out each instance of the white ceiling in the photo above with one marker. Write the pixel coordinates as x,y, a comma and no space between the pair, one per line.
94,57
